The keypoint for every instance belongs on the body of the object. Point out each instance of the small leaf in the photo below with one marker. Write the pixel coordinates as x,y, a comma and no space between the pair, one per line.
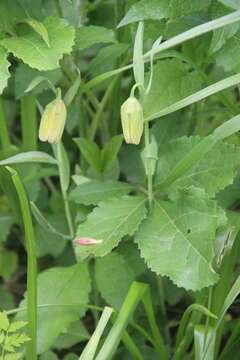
4,322
4,65
92,192
110,151
16,325
30,156
29,47
86,36
110,221
90,151
114,277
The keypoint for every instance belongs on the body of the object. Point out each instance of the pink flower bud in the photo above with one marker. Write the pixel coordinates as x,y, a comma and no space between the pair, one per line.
87,241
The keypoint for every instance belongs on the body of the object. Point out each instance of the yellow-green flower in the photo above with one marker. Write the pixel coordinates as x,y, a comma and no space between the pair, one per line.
132,120
53,121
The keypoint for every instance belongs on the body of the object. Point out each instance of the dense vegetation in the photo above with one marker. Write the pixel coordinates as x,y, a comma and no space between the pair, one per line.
119,219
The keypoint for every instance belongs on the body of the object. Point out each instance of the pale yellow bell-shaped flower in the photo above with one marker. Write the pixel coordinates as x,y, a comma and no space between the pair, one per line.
53,121
132,120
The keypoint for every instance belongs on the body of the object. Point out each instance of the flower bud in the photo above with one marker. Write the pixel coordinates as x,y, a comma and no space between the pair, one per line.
53,121
87,241
132,120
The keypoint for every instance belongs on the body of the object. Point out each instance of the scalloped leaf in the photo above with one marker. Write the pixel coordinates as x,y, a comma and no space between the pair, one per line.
32,49
109,222
177,240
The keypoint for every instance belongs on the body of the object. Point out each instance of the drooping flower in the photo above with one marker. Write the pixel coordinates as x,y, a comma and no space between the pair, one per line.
53,121
132,120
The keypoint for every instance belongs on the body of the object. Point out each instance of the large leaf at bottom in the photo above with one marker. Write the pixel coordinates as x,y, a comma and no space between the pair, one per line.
69,285
213,172
177,240
109,222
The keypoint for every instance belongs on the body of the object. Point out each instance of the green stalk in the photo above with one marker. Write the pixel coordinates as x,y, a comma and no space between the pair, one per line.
131,346
159,343
29,122
31,353
4,135
149,175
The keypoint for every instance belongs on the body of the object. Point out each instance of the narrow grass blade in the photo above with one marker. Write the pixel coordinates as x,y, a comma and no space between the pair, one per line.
29,156
199,95
186,317
111,343
138,63
4,135
31,266
202,334
91,347
232,295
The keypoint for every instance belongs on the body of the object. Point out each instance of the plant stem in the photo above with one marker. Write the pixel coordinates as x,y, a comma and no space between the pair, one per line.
29,122
58,8
4,136
149,175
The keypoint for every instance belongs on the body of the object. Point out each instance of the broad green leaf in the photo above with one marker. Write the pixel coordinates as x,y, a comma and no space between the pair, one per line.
49,355
86,36
74,334
59,285
90,151
32,49
221,36
171,82
30,156
10,13
177,240
234,4
4,322
109,222
227,56
6,222
92,192
114,277
8,263
24,76
110,151
159,9
4,65
212,172
50,242
106,58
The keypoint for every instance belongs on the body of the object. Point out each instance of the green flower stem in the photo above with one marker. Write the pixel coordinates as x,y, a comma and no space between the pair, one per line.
149,175
58,8
97,117
29,122
4,135
31,266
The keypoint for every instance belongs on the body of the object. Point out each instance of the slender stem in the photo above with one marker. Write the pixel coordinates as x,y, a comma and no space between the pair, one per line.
58,8
29,122
4,135
149,175
101,108
68,214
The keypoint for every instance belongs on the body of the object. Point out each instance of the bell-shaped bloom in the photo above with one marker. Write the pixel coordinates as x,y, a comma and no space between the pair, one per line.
132,120
53,121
